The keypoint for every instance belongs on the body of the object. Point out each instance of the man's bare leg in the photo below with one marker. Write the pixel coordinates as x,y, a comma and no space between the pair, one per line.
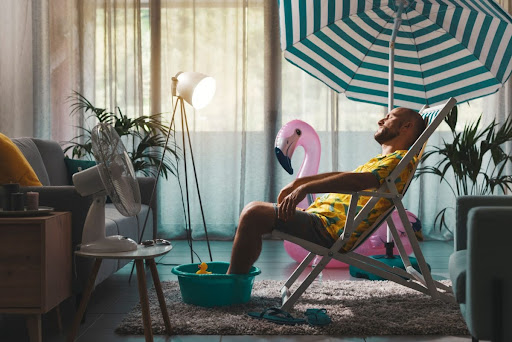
256,219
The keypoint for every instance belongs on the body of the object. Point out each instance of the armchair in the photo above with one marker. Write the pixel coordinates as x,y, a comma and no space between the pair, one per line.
480,266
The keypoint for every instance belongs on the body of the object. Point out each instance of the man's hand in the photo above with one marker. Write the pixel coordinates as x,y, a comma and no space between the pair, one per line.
287,206
285,192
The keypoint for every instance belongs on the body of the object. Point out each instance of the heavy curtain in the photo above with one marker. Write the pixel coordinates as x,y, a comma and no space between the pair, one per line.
125,52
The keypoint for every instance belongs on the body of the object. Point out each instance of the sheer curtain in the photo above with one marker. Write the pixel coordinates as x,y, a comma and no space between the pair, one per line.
125,52
116,48
233,137
237,42
223,39
16,92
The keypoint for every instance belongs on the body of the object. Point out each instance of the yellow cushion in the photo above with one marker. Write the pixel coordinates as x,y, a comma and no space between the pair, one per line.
14,166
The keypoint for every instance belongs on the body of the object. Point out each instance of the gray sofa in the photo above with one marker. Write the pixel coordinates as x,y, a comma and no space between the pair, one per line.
480,268
47,159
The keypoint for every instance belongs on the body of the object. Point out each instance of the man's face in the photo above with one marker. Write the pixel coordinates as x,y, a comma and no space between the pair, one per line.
389,126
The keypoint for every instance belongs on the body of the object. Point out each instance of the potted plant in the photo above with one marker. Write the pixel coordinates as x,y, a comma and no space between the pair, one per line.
475,158
144,137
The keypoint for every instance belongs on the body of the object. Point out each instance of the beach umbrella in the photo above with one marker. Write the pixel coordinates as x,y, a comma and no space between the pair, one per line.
400,53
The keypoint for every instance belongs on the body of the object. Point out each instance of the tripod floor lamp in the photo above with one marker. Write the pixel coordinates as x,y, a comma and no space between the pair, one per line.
197,90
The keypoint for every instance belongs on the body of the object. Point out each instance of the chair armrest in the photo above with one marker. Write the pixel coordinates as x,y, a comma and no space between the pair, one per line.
463,205
368,193
65,198
376,194
489,237
146,185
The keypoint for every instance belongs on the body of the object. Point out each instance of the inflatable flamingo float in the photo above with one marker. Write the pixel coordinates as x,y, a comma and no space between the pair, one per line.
298,133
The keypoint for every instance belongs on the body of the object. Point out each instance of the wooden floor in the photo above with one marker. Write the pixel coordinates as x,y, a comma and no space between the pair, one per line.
112,299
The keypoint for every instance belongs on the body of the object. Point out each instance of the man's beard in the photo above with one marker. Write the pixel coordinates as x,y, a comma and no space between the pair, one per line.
385,134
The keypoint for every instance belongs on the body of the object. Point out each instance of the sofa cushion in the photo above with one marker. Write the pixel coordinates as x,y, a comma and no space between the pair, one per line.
15,167
53,158
31,153
458,266
130,226
77,165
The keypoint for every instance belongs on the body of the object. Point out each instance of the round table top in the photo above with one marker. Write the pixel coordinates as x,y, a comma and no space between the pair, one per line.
142,252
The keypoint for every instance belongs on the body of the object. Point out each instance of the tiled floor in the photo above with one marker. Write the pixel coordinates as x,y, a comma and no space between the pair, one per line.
112,299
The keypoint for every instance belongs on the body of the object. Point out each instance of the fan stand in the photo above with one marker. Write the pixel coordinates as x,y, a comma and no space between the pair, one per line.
93,235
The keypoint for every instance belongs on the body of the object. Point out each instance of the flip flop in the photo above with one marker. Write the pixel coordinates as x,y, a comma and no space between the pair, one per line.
317,317
276,315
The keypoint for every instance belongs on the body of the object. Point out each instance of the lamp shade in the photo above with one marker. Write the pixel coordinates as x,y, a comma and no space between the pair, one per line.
195,88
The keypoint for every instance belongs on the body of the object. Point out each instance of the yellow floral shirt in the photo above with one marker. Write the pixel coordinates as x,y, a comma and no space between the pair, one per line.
332,208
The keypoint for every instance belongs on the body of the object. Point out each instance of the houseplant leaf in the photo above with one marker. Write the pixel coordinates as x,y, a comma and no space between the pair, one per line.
144,137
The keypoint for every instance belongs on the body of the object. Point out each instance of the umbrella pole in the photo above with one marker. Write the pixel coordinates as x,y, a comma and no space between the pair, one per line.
390,244
391,74
391,91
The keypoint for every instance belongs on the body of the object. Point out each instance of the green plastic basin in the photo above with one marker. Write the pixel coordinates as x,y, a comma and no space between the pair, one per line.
216,289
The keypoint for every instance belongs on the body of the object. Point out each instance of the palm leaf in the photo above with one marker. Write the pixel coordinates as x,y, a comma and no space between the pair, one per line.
465,155
145,137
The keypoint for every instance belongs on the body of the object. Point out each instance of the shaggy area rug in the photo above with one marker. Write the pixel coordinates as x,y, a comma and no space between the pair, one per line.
357,308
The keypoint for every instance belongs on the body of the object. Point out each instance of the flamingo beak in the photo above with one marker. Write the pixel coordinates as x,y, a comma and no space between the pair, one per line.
284,148
284,160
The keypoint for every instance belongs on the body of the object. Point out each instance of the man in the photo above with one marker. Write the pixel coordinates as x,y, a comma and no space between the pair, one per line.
323,222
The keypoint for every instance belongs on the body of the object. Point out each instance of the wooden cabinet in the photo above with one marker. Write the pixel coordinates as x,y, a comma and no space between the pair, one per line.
35,265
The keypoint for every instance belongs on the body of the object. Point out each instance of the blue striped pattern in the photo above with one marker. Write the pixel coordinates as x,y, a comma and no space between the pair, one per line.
429,116
444,48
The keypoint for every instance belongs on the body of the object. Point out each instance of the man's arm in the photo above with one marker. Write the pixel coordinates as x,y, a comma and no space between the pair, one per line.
304,180
341,182
300,181
336,182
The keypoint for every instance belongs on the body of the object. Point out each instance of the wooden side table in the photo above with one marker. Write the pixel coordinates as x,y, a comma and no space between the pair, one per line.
142,253
35,266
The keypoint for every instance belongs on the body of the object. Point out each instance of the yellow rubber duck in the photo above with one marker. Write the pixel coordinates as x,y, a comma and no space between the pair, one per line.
203,268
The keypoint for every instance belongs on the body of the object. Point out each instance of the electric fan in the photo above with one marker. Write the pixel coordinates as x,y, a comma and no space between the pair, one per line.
113,176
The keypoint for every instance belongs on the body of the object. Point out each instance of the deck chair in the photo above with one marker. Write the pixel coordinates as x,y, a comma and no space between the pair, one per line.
421,281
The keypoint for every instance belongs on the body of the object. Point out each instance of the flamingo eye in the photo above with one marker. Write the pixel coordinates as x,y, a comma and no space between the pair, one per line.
298,132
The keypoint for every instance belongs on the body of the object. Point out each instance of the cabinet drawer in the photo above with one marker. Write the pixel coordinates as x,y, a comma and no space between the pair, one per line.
35,262
20,265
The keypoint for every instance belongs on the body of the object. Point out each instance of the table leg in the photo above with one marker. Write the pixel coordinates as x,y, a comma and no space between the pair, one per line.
144,303
58,317
160,294
34,327
85,300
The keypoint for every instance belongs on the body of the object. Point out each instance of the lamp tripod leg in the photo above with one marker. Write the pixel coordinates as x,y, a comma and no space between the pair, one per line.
195,177
189,230
156,183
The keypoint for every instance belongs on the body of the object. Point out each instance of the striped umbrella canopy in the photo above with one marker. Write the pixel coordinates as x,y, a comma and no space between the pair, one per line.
441,49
